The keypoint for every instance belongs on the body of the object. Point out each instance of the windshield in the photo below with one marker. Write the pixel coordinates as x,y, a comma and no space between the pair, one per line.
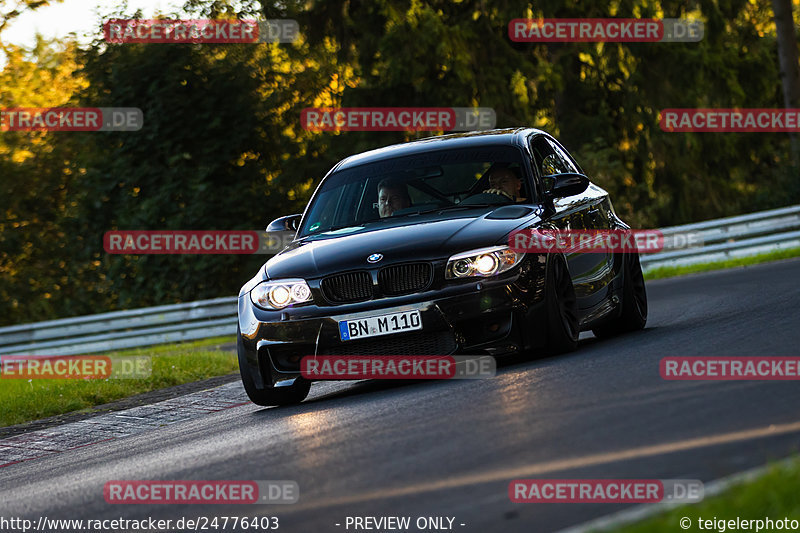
420,183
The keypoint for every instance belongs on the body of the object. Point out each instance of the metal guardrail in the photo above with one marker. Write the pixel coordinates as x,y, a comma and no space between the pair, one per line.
122,329
722,239
727,238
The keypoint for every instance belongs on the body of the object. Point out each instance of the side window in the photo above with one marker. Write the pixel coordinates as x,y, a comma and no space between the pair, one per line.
346,207
549,158
565,161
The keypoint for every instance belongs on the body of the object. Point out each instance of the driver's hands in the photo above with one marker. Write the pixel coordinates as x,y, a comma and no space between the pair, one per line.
501,192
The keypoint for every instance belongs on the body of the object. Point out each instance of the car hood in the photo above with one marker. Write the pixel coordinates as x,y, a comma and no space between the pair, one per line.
424,238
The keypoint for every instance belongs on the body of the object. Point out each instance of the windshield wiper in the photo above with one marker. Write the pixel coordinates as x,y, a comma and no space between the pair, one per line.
395,217
456,206
435,210
334,228
343,226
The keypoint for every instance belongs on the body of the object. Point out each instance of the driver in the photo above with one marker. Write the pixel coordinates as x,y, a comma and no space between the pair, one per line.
392,196
504,181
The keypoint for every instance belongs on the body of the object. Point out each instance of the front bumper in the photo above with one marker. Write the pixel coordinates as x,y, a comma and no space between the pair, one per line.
480,317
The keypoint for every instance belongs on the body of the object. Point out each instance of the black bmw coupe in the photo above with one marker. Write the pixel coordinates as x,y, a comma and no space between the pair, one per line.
405,250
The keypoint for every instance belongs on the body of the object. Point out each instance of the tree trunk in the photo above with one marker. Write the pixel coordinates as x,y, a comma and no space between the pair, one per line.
790,67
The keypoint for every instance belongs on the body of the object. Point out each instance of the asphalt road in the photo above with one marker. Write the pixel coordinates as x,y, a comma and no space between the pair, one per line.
451,448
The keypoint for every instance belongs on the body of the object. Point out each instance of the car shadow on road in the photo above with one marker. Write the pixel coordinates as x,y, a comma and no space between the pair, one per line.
344,390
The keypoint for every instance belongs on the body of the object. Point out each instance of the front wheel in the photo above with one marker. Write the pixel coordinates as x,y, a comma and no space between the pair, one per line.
633,315
290,395
269,396
562,310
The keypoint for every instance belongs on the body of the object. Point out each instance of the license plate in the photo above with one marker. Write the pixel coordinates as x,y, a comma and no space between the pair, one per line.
379,325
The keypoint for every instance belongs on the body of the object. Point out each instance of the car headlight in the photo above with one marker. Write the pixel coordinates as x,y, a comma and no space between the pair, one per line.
482,263
280,293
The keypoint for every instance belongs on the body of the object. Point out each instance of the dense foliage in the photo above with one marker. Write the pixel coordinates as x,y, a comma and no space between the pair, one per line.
222,146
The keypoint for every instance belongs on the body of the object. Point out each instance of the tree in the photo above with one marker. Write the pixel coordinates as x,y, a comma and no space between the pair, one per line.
788,58
35,177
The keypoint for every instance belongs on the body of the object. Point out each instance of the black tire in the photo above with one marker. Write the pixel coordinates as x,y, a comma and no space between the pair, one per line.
562,310
633,315
293,394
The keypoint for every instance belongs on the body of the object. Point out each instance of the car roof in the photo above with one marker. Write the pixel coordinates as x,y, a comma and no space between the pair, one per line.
472,139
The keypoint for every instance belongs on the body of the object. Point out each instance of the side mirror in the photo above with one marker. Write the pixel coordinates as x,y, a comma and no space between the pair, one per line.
566,184
288,223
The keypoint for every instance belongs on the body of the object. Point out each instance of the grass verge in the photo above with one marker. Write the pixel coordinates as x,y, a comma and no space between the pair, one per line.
672,271
773,496
173,364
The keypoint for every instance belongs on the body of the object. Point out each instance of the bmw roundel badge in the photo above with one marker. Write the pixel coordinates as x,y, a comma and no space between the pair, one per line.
374,258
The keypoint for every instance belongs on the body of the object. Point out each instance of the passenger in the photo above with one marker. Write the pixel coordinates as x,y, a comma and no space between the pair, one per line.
392,196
